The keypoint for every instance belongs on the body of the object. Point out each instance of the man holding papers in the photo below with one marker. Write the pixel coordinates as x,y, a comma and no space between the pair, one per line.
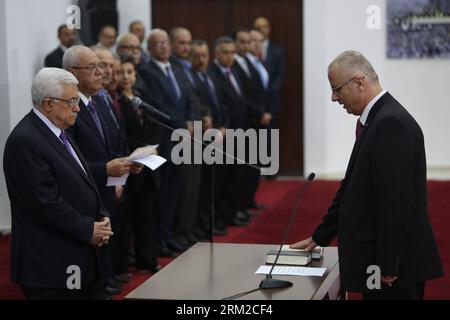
91,135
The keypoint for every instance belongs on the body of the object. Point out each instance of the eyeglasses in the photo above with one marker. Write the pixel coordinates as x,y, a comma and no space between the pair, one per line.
70,102
161,44
337,88
132,48
91,67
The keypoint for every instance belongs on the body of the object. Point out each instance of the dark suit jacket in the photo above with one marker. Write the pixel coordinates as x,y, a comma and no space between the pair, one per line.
140,131
180,110
114,128
276,67
235,105
54,59
53,204
97,151
380,211
210,104
198,110
257,97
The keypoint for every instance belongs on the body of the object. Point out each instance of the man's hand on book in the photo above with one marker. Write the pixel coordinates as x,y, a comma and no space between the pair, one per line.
307,244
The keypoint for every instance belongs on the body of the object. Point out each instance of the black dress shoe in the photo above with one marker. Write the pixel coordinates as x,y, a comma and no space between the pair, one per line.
156,268
175,246
192,239
114,283
124,277
201,234
243,215
183,242
237,223
165,252
152,269
255,205
220,232
112,291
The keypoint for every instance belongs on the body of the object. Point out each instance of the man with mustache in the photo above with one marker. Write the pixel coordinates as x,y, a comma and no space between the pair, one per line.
58,220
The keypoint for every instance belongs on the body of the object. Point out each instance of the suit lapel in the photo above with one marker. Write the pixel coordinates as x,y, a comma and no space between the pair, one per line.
102,108
84,163
61,149
375,109
84,113
162,78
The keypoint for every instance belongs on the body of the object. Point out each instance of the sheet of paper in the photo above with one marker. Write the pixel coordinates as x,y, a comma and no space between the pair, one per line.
120,181
292,271
153,162
143,152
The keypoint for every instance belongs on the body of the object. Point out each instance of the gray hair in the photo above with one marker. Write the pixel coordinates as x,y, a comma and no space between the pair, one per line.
155,31
352,62
174,31
48,82
71,56
223,40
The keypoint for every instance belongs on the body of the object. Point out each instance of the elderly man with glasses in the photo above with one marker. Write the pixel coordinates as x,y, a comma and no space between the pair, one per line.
58,220
387,249
91,134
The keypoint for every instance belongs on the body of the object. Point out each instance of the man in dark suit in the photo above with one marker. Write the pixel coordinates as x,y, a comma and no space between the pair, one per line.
380,211
255,81
138,29
232,98
214,117
128,44
58,220
187,211
67,39
172,96
90,132
273,57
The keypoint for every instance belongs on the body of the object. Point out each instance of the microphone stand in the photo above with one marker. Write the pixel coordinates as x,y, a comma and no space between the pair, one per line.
268,282
150,116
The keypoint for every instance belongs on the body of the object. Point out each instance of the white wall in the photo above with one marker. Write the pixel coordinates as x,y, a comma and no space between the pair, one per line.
333,26
28,31
130,10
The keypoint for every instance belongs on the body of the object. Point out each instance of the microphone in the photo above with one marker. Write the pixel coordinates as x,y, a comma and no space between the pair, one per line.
268,282
138,103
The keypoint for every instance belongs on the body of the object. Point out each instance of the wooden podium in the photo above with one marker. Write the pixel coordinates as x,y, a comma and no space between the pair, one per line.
217,271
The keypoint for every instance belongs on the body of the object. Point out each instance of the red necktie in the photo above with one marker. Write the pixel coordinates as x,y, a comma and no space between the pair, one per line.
115,103
359,128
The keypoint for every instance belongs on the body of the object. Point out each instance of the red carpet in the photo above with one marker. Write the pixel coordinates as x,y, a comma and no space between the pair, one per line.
268,226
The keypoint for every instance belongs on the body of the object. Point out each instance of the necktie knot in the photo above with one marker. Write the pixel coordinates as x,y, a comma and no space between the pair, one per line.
63,137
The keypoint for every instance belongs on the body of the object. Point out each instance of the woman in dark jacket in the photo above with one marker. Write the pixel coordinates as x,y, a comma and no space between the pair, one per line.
141,192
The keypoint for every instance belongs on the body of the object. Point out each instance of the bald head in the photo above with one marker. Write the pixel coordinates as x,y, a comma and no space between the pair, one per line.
352,62
263,25
107,36
158,45
138,28
129,44
106,59
180,41
85,65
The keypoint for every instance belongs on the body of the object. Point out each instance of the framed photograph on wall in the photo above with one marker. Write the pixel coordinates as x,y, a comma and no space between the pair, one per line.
418,28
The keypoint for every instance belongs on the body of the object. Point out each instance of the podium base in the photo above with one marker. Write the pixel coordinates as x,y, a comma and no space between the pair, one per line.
274,283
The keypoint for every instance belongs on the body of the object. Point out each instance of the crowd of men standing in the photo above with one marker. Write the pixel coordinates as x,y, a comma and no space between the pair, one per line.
163,212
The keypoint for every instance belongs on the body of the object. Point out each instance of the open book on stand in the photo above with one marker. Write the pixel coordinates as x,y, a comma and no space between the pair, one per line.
294,257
